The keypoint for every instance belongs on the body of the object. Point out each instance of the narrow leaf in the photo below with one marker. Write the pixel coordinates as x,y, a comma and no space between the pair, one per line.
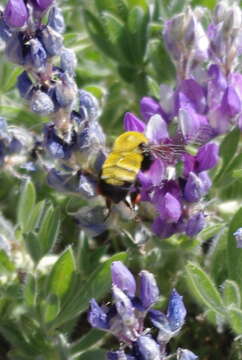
231,293
26,204
49,230
235,319
204,288
61,273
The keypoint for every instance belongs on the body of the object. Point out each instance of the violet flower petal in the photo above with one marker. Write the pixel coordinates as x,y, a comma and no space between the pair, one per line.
123,278
132,123
176,311
15,13
207,157
149,291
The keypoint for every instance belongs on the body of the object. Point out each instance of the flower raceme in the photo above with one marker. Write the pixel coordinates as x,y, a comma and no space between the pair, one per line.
125,317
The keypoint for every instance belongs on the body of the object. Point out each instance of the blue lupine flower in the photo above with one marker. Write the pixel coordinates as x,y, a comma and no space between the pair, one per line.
184,354
56,20
176,311
97,317
148,348
149,291
41,5
123,278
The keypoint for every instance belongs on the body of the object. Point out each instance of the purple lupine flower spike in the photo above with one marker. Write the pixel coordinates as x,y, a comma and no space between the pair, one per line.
176,312
149,291
132,123
238,237
15,13
122,278
184,354
96,316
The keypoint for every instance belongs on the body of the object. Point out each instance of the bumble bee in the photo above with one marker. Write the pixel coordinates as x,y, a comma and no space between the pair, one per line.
130,154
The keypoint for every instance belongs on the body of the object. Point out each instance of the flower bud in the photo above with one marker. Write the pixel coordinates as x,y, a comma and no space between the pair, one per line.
5,32
238,237
118,355
123,278
41,5
68,61
149,291
195,224
132,123
96,316
220,11
15,13
124,307
41,103
207,157
169,208
148,348
38,54
56,20
65,91
24,85
183,354
233,20
89,109
51,41
55,145
194,189
176,311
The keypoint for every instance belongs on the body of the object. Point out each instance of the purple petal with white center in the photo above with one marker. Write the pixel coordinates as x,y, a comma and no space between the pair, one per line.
156,129
96,316
184,354
132,123
194,188
124,307
169,208
149,107
149,291
176,311
148,348
189,122
15,13
123,278
195,224
231,104
207,157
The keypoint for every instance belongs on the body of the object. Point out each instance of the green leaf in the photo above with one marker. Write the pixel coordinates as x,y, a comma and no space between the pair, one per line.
49,230
204,288
32,244
30,291
229,145
207,3
154,88
98,34
234,254
51,308
117,7
6,264
235,320
26,204
137,26
11,79
142,3
34,218
94,355
97,285
87,341
61,274
231,293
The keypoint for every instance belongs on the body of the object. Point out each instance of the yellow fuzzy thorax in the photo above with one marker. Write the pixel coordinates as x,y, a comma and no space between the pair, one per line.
124,162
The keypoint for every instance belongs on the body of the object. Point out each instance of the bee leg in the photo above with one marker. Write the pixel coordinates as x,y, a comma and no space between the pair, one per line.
109,206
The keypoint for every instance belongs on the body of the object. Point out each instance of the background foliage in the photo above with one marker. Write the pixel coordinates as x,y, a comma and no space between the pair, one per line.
56,268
